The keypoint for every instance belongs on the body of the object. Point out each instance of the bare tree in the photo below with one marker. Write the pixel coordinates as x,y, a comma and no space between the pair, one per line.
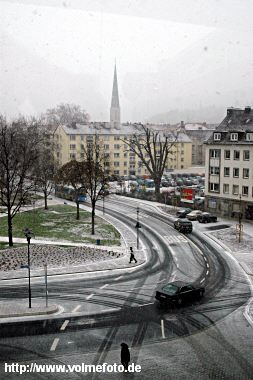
153,149
73,173
45,167
65,113
95,177
18,147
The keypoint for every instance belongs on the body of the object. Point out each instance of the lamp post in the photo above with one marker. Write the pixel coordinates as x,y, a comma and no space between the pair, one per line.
137,226
240,218
104,203
28,234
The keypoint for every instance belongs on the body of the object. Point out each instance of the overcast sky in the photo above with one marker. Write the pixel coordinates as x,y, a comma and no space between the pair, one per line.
170,54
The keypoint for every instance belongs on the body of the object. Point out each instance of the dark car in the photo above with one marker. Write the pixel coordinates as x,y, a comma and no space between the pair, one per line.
178,293
182,213
206,217
183,225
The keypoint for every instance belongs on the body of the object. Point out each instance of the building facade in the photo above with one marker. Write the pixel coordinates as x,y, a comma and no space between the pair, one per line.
71,142
229,165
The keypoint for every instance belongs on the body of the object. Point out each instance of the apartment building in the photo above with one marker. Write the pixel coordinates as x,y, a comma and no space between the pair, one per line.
229,165
70,142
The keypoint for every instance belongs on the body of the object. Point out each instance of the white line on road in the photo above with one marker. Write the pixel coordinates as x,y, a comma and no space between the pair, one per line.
162,328
119,277
64,325
207,265
205,258
203,279
207,271
76,308
102,287
91,295
55,342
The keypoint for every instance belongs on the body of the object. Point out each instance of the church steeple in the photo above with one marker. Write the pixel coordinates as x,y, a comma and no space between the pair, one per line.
115,108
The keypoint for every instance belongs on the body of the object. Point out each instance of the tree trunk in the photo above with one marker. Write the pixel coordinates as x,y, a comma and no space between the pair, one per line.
77,210
157,188
93,218
10,230
45,200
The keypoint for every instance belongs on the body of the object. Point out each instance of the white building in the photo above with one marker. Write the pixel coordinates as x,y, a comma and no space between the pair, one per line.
229,165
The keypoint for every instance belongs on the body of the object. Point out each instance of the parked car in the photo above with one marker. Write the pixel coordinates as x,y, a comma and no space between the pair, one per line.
193,215
206,217
183,225
182,213
178,293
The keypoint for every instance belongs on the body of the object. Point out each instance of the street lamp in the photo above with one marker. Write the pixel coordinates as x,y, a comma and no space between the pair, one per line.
28,234
138,226
240,218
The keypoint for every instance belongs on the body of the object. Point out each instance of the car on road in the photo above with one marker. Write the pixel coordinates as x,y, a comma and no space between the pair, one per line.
193,215
206,217
182,213
183,225
179,293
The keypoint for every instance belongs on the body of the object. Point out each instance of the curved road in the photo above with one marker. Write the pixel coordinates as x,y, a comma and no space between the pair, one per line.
206,340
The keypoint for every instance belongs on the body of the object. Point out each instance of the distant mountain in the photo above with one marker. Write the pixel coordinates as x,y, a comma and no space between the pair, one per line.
206,114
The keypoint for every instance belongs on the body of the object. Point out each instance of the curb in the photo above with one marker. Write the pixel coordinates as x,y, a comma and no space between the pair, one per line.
50,310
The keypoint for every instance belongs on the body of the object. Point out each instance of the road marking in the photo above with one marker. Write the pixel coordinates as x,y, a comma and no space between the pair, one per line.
162,328
55,342
64,325
176,239
203,279
76,308
207,272
91,295
102,287
119,277
205,258
207,265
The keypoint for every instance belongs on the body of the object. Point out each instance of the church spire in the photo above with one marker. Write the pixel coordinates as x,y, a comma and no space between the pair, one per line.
115,108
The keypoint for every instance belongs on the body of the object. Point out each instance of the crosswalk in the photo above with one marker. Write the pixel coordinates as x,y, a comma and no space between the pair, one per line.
172,239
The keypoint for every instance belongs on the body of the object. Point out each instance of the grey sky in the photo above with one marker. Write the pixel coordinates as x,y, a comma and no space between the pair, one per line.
170,54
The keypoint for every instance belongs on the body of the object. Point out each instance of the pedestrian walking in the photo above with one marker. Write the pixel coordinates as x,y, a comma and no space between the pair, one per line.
125,355
132,258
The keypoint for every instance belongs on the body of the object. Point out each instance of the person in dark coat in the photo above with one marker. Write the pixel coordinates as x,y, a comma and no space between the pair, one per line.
125,355
132,256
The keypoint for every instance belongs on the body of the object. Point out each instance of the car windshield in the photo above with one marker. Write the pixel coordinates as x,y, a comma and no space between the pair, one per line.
170,288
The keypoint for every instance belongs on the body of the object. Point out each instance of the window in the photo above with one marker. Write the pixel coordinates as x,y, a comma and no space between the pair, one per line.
82,138
249,136
116,138
81,155
125,163
106,146
116,155
182,145
182,159
214,153
246,155
226,188
216,136
72,146
226,172
235,189
245,191
236,155
245,173
116,172
236,172
125,171
233,136
215,187
72,156
116,146
227,154
125,154
182,152
72,137
116,163
214,170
